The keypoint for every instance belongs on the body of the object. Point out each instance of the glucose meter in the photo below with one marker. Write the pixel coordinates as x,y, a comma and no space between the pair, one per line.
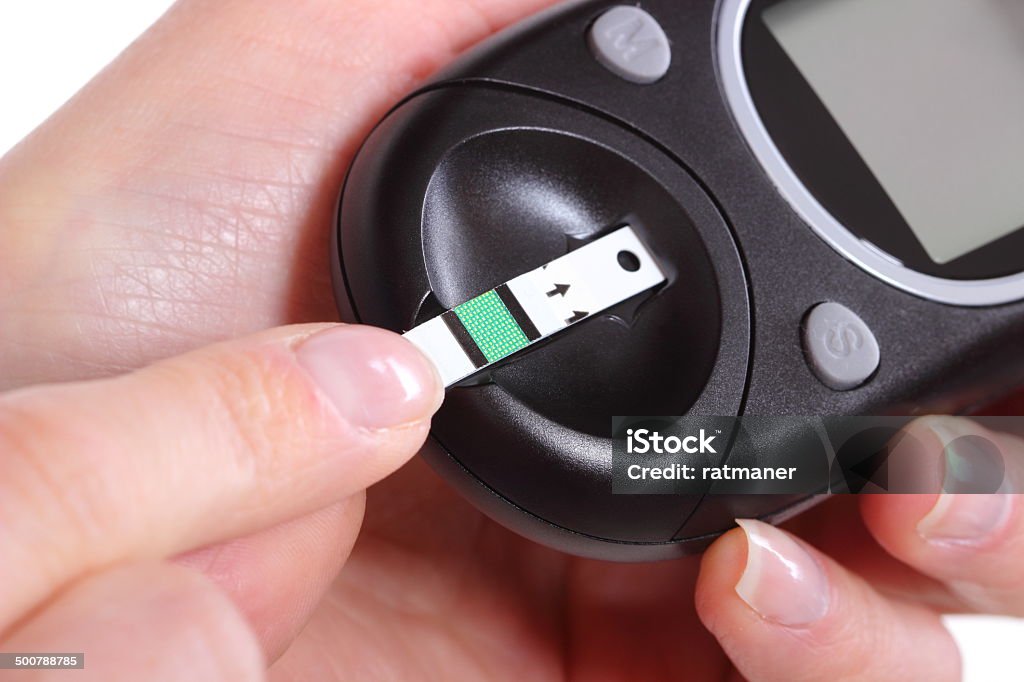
820,204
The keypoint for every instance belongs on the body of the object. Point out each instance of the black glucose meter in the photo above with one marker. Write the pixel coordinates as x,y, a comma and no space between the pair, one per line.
824,195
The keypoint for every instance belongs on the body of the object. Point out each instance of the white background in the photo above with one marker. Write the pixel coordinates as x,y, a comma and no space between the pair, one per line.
50,48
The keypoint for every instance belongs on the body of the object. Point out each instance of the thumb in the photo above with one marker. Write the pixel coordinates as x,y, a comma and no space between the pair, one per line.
197,449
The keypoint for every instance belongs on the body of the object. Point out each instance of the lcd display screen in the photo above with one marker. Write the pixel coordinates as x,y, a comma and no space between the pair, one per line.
931,95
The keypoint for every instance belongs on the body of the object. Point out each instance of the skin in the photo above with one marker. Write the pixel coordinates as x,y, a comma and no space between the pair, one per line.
184,198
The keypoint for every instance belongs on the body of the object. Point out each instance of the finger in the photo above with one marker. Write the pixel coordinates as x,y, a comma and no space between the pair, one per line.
172,201
198,449
276,577
147,621
783,611
837,529
974,543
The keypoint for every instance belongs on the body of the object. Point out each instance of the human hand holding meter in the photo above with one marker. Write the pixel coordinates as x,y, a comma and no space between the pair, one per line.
186,520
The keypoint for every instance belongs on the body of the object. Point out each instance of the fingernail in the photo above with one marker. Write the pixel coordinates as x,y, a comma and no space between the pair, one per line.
376,379
965,519
968,511
973,462
781,581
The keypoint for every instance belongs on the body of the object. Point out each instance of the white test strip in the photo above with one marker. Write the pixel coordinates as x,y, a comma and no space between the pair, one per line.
437,342
513,316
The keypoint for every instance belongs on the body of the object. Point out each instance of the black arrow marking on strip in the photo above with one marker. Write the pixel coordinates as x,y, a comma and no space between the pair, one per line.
577,315
559,290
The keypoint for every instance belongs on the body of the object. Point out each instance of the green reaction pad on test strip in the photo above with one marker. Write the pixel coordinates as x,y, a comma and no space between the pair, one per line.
491,326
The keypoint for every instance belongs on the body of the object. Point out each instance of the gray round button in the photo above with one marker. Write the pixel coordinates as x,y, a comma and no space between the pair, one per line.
630,43
841,349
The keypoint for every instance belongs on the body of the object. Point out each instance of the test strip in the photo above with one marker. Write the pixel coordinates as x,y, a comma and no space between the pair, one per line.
533,306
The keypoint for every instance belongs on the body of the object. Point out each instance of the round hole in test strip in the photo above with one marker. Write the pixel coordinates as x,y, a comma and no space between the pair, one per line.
628,260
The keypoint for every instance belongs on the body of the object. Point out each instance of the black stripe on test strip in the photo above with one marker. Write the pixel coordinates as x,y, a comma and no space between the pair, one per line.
466,342
517,312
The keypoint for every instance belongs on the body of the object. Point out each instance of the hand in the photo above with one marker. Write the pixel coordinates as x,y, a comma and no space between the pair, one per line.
185,197
261,447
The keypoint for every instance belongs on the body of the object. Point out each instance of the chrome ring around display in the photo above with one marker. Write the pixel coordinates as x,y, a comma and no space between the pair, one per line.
984,292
